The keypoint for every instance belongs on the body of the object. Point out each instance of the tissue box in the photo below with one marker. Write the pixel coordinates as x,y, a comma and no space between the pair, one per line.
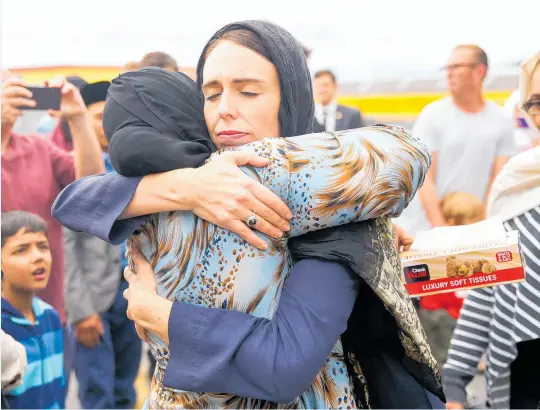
439,271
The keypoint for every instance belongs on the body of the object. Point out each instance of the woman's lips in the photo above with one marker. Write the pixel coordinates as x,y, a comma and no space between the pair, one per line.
230,136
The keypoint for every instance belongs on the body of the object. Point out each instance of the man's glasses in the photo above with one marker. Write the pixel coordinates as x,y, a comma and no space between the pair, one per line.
532,106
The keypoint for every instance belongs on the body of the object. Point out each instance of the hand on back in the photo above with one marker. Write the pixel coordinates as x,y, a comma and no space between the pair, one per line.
226,196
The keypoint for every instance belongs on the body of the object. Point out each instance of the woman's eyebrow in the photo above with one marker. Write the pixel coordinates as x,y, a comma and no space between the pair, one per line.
247,80
214,83
209,84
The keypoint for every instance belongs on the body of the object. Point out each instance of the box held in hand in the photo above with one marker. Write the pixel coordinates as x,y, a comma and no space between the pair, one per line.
474,266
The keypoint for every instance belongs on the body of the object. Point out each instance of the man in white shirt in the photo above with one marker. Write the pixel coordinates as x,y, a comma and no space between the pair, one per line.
470,139
329,116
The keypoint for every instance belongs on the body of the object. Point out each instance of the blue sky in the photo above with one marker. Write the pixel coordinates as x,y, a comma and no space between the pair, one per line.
358,39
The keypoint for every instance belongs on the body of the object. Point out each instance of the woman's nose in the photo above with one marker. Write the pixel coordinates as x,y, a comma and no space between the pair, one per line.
227,107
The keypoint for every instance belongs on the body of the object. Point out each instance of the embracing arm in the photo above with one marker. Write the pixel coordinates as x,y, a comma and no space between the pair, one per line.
110,206
93,204
333,179
215,350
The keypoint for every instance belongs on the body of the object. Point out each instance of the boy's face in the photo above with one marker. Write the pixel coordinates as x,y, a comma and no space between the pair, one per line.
96,113
26,261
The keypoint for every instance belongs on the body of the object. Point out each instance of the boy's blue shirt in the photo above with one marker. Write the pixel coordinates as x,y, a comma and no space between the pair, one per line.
44,382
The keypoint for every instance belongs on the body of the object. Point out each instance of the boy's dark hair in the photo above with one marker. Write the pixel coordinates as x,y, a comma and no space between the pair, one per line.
13,221
322,73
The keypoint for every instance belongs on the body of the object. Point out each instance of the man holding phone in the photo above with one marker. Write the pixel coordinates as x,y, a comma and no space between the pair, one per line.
34,170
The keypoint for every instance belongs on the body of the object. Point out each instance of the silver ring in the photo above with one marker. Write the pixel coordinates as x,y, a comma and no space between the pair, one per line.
251,221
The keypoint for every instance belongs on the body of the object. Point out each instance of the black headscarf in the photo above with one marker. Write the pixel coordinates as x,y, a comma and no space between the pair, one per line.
155,122
297,108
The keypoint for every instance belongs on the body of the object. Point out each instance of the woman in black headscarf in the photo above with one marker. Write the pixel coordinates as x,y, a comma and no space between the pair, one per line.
401,343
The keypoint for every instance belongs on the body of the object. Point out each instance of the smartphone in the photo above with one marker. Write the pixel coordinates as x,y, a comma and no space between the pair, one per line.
46,98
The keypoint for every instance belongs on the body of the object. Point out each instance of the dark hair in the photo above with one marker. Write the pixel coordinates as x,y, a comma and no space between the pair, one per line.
243,37
158,59
479,54
14,221
322,73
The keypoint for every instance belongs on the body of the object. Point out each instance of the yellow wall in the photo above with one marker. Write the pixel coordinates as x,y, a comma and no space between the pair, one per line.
91,74
394,106
404,105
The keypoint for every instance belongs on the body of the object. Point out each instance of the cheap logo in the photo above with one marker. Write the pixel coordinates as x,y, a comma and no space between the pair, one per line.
417,273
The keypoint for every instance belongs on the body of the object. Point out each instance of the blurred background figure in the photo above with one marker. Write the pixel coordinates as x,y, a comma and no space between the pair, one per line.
439,313
132,66
524,135
43,169
329,115
501,322
470,138
61,134
108,350
159,59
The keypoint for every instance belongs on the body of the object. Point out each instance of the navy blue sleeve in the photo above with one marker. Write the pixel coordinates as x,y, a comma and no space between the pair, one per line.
93,204
225,351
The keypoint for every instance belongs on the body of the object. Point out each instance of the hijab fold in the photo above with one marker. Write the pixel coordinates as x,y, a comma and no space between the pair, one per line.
154,122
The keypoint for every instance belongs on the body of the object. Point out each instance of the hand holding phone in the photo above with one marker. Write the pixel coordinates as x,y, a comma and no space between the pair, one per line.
46,98
71,103
15,98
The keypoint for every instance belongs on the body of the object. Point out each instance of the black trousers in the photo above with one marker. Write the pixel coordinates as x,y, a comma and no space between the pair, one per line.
525,376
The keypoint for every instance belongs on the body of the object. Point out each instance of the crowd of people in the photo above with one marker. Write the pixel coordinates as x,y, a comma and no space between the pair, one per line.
262,272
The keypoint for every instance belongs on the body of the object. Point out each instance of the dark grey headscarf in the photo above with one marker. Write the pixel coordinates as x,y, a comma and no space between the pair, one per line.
286,53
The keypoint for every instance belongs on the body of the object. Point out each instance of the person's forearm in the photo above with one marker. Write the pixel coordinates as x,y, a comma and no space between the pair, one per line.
169,191
431,203
87,152
93,205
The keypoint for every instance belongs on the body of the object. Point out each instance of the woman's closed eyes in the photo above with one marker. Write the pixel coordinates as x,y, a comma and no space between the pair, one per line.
248,94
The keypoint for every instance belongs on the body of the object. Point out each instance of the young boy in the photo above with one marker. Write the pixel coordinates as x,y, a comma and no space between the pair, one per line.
26,267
